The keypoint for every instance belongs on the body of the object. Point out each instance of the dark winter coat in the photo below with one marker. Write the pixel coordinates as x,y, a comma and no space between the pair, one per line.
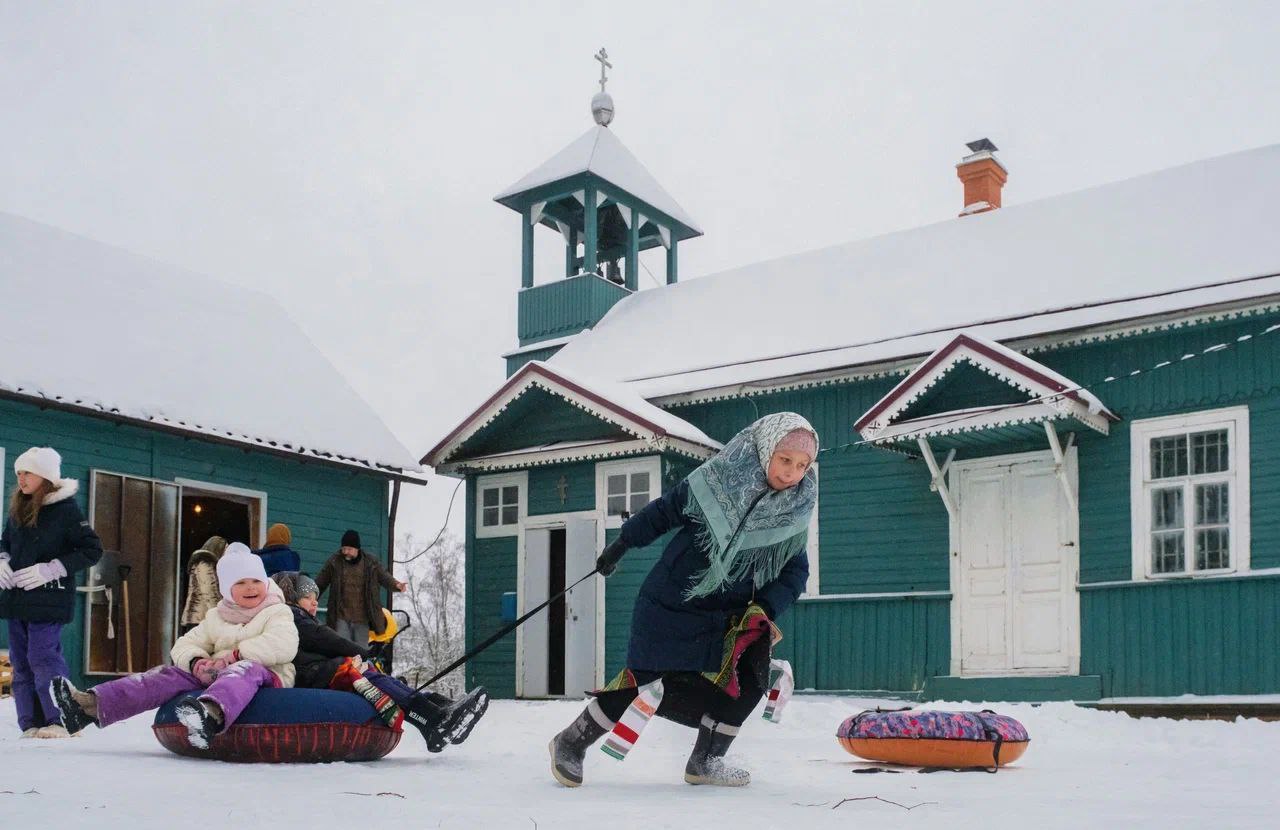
277,558
61,532
670,633
374,575
321,651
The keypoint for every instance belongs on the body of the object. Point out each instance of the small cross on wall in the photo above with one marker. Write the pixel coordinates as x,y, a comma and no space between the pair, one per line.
562,487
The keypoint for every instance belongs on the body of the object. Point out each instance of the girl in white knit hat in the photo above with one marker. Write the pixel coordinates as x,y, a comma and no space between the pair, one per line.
247,641
45,541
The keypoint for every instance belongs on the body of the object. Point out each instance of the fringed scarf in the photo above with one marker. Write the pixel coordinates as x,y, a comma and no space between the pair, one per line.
746,527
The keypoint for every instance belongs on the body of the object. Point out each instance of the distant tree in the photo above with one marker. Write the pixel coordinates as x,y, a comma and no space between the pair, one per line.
435,602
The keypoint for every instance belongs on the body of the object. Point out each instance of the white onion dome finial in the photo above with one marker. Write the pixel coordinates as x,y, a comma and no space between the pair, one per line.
602,108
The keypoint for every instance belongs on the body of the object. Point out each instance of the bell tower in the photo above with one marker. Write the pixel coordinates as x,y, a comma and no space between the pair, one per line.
604,208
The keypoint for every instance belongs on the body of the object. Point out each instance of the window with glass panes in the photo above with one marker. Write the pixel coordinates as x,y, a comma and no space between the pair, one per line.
500,506
1189,487
627,492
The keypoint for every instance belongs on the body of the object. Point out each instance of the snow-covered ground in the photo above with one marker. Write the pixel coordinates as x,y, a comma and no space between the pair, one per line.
1082,767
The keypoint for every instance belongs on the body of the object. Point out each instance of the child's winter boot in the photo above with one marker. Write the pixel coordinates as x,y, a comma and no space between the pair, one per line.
569,747
707,765
203,720
79,709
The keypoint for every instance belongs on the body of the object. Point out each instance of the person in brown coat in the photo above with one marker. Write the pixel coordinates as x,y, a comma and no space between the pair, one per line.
353,577
202,581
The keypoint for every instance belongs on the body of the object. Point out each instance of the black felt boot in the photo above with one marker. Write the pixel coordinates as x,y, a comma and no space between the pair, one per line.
78,709
706,763
569,747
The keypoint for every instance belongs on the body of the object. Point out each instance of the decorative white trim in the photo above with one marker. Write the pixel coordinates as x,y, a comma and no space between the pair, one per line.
1235,419
649,464
1048,403
902,365
574,451
520,480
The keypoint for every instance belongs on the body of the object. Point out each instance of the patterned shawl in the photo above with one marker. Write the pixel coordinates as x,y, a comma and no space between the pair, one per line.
747,527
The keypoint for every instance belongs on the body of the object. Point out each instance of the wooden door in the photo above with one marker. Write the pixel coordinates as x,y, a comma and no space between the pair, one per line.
137,519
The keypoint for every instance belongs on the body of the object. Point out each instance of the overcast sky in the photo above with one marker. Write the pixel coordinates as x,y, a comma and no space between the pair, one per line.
343,156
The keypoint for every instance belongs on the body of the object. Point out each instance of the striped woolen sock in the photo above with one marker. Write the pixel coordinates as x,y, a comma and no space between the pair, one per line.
391,714
781,691
633,721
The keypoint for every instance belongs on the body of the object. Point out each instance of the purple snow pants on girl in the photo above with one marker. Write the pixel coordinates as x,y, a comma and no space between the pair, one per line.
35,650
232,690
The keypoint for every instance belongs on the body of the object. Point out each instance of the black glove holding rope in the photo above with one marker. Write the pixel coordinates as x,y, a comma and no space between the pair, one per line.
607,563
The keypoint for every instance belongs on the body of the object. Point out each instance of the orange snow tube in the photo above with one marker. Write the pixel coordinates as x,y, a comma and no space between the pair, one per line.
935,739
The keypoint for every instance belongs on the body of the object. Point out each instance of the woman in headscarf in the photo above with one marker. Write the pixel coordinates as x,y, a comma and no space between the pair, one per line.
702,619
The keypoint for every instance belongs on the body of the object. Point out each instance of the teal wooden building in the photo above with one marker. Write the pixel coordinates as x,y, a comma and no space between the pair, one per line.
1050,433
184,407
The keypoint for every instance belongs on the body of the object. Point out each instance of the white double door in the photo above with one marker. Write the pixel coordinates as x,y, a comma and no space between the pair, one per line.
1015,557
559,646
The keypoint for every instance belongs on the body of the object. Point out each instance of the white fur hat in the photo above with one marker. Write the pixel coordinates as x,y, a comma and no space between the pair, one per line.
43,461
237,563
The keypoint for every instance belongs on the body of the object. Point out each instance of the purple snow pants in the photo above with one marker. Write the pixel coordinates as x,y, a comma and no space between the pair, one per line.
234,688
35,650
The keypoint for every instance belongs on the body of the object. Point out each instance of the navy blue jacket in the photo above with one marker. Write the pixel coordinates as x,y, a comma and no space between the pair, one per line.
670,633
61,532
321,651
277,558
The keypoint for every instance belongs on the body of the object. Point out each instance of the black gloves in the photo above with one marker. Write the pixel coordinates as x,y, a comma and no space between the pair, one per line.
610,556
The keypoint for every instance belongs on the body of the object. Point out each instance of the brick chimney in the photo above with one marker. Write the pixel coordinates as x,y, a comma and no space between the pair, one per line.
983,176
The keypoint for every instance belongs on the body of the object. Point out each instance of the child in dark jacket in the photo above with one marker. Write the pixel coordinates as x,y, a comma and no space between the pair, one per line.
327,660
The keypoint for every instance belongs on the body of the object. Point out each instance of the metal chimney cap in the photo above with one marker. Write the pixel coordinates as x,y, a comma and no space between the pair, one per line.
980,145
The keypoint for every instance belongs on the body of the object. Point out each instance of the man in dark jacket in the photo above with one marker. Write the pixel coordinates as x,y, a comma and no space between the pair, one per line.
353,577
323,655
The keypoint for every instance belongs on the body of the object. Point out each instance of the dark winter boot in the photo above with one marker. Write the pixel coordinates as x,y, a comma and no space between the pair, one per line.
79,709
707,765
443,721
202,719
569,748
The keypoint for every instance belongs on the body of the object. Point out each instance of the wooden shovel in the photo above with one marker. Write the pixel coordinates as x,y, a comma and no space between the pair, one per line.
123,571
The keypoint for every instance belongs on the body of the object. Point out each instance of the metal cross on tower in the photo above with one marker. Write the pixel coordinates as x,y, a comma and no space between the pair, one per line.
603,57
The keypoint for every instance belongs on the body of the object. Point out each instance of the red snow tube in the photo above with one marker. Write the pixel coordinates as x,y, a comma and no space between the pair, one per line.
935,739
288,726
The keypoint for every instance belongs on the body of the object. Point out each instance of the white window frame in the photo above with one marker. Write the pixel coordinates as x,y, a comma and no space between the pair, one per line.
519,480
192,486
1235,420
812,585
648,464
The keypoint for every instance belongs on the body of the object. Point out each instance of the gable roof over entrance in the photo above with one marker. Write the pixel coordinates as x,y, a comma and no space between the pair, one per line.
632,425
91,328
1049,396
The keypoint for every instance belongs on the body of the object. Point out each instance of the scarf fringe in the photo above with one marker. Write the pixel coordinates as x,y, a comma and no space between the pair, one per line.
725,567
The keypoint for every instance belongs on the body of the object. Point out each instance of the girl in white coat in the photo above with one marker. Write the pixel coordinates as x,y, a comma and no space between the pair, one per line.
244,643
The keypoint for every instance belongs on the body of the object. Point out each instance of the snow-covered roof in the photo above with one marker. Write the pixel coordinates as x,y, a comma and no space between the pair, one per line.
598,151
95,327
1190,236
654,427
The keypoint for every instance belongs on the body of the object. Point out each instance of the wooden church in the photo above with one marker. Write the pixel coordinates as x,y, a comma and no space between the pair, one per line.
1049,432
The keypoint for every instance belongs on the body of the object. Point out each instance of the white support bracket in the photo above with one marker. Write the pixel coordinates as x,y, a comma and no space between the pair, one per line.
939,481
1060,460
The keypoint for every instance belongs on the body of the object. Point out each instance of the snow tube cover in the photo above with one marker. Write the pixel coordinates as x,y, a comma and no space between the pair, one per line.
935,738
287,726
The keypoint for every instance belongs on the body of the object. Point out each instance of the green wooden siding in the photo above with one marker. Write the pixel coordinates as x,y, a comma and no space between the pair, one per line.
544,488
1204,636
889,644
516,361
564,307
317,502
491,572
536,418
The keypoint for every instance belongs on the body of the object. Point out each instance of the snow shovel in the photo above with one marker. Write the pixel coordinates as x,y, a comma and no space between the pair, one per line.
123,573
